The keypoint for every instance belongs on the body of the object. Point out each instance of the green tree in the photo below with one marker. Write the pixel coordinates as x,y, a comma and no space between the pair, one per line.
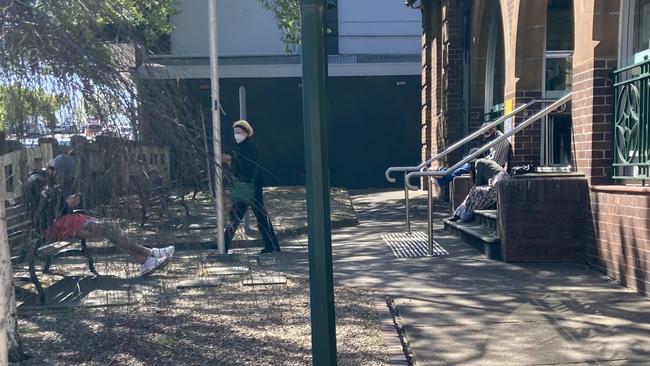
287,16
18,104
86,47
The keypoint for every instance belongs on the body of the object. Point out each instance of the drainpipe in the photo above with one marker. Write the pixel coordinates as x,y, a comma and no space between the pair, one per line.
314,77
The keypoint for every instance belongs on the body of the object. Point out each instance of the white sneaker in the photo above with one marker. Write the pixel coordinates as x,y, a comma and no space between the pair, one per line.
152,264
162,252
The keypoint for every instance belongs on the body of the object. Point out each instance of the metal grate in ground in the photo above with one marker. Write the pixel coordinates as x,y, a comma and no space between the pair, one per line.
405,245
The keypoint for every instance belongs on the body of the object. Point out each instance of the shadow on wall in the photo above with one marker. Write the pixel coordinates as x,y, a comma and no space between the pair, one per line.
616,233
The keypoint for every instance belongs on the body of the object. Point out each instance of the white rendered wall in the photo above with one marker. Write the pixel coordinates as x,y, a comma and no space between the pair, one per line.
245,28
378,27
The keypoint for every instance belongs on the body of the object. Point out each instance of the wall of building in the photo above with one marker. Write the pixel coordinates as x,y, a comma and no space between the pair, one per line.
443,77
616,218
430,88
541,218
378,27
451,111
618,234
594,59
360,150
245,28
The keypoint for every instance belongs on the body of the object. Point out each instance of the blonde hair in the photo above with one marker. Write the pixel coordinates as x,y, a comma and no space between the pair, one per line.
245,126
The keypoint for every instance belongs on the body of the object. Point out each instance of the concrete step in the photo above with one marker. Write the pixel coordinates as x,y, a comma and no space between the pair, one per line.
484,239
487,218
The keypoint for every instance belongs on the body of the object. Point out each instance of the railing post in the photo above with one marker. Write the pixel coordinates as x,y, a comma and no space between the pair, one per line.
408,206
429,217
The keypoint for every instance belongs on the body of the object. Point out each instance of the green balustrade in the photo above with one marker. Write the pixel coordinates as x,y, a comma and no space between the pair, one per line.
631,124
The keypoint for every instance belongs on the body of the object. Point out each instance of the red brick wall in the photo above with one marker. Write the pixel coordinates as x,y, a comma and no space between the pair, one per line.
431,46
595,56
526,144
452,99
541,218
592,118
426,89
618,234
442,76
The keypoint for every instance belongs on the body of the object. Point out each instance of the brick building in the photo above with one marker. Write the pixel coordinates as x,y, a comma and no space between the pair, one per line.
485,58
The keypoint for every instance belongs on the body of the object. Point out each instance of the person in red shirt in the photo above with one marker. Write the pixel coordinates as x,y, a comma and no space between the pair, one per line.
52,208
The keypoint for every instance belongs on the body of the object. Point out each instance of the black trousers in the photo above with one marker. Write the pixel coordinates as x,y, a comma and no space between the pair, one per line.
237,212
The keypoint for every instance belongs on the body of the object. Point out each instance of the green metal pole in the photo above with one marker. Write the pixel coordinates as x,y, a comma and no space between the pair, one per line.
314,77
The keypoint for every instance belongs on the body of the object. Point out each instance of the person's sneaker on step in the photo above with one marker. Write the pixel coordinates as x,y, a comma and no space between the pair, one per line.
454,218
152,264
162,252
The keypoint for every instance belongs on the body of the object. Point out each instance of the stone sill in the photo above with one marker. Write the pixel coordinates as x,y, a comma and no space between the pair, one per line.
622,189
549,175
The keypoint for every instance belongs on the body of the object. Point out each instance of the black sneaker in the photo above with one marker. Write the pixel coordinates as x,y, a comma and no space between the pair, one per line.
269,251
454,218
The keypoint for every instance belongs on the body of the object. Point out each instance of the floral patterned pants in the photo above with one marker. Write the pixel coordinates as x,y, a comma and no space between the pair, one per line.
479,198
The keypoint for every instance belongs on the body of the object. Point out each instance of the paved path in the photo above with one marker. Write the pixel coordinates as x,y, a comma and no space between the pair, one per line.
463,309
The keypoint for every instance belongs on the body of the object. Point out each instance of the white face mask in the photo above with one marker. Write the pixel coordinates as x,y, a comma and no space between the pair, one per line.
240,138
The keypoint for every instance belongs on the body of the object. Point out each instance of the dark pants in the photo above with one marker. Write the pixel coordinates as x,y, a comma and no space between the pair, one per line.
264,225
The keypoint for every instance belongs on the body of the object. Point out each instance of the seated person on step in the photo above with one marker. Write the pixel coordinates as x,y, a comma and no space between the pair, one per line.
486,174
51,208
499,153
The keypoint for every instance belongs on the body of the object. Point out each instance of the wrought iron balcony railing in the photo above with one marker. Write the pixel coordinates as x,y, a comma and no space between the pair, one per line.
631,125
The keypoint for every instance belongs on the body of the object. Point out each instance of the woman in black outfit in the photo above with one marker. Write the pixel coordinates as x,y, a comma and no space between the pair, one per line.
245,170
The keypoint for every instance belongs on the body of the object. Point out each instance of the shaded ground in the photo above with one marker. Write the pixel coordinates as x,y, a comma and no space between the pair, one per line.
229,324
285,205
457,309
464,309
120,318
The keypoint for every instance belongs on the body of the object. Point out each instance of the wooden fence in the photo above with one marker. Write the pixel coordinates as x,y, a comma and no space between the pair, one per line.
108,172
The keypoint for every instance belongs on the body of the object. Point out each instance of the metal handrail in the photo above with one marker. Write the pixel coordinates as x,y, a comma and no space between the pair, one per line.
537,116
453,147
463,141
410,172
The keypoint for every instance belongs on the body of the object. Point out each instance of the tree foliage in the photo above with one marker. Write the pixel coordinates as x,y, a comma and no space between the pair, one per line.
18,104
86,55
80,47
287,15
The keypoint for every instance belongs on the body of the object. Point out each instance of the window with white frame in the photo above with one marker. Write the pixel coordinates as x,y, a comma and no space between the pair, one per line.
557,80
634,32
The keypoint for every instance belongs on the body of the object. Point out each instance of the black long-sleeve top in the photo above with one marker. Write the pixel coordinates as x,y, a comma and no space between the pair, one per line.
244,162
45,199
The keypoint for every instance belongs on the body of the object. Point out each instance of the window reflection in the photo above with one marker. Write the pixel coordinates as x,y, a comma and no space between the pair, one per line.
641,26
558,74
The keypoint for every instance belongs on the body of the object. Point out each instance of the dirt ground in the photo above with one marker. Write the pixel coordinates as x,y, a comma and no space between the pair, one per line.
152,322
230,324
